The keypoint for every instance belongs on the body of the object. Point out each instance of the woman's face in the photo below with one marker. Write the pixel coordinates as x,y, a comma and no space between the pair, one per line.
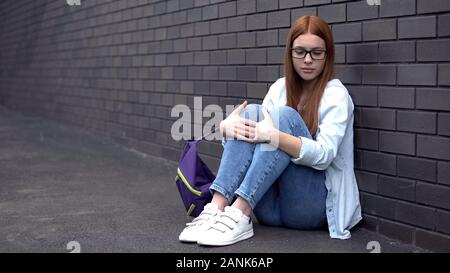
313,63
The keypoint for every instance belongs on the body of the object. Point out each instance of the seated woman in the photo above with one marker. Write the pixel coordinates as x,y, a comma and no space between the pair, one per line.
290,160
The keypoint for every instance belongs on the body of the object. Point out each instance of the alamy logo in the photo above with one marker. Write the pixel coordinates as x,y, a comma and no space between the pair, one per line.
373,2
73,2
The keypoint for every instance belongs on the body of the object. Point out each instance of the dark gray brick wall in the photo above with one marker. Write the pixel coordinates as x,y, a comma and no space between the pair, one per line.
118,68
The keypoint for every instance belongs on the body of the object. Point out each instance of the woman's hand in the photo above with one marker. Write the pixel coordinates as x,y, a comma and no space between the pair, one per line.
264,130
236,127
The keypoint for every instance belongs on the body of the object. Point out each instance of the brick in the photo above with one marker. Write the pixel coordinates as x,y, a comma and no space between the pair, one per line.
201,88
267,38
227,40
433,241
396,231
227,9
396,142
417,168
202,28
282,36
396,97
210,73
416,215
444,173
257,90
333,13
339,57
218,26
433,99
201,58
378,205
433,147
378,118
367,181
237,89
278,19
366,139
236,56
267,73
246,73
417,74
227,73
210,12
275,55
209,42
199,3
379,162
257,21
256,56
426,6
443,221
194,44
297,13
363,95
370,223
390,8
349,74
434,195
194,15
246,6
379,74
179,73
416,121
290,3
433,50
218,57
344,33
316,2
398,188
186,4
444,124
187,30
443,74
218,88
380,30
417,27
444,25
265,5
361,11
362,53
246,39
235,24
399,51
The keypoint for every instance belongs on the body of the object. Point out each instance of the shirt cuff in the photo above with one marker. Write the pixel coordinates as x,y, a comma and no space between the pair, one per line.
307,152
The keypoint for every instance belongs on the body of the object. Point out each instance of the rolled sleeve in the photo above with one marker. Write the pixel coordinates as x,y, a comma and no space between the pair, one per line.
336,110
308,152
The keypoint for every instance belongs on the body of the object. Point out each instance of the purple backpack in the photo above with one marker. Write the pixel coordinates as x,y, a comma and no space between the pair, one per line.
193,179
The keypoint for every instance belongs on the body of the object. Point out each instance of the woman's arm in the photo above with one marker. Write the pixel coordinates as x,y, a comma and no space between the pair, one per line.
286,142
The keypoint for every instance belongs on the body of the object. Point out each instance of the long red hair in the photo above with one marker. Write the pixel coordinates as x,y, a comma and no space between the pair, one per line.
315,25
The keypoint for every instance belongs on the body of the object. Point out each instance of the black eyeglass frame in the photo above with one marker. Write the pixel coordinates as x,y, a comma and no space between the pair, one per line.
310,53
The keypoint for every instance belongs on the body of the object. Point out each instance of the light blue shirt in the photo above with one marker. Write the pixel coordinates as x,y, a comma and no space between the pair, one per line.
332,151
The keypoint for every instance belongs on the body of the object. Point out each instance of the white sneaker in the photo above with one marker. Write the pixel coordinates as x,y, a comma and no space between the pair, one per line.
229,227
194,229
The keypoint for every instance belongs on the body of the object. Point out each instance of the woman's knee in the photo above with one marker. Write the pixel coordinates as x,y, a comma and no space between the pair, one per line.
287,119
251,111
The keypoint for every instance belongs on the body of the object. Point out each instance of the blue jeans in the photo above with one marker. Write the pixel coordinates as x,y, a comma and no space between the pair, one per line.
280,192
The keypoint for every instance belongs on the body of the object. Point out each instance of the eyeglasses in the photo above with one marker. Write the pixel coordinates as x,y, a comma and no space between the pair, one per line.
316,54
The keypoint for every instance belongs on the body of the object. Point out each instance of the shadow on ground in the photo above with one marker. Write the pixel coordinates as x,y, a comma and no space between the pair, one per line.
59,184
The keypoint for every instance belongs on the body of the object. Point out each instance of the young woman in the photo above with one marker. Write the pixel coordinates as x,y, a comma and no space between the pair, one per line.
290,160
